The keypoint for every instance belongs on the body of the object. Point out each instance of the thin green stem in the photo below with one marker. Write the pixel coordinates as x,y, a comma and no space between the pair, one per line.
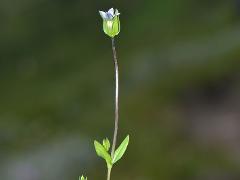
109,174
116,105
116,97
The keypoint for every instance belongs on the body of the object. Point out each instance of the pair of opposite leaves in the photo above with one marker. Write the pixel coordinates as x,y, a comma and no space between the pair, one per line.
102,151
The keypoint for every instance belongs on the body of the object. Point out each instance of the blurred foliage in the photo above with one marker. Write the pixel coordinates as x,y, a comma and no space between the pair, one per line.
57,86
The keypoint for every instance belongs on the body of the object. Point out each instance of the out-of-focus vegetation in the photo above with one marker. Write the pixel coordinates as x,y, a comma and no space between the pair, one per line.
179,71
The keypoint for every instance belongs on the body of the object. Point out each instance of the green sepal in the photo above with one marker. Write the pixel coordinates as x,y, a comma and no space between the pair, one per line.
111,27
116,25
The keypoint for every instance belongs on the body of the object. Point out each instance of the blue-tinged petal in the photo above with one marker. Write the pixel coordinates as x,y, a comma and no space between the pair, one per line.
103,15
111,11
109,16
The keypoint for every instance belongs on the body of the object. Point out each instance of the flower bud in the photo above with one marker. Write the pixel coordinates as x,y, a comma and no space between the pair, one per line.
111,22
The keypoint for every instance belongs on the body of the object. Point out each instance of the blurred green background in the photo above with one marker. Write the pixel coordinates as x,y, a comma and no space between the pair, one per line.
179,89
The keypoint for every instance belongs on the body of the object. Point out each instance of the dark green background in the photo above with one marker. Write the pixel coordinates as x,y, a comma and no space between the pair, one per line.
179,89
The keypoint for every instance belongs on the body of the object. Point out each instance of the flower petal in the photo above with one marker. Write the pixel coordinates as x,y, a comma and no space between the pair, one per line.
103,14
111,11
109,16
116,12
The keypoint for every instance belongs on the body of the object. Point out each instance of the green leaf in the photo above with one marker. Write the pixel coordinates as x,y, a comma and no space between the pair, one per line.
106,144
120,150
101,151
82,178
